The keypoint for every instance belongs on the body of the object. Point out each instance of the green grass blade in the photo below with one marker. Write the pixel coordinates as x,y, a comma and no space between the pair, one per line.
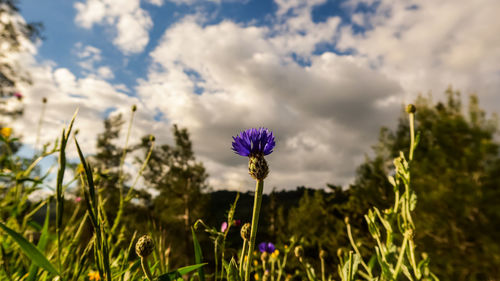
30,250
42,243
177,274
198,256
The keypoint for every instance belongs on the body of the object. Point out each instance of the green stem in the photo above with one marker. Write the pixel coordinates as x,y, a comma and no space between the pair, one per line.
255,221
357,251
242,259
412,134
120,177
145,268
400,258
322,269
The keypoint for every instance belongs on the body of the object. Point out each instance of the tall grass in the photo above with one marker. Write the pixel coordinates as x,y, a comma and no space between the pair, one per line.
62,249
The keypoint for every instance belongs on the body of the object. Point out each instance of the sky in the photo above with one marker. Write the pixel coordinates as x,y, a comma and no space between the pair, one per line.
323,75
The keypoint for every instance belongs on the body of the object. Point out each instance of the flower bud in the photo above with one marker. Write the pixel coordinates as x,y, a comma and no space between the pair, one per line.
245,231
144,246
264,256
346,220
323,254
44,100
339,252
134,108
299,251
257,167
152,138
411,108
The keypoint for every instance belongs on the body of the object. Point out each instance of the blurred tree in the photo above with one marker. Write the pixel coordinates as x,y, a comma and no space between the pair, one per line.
455,174
15,33
180,180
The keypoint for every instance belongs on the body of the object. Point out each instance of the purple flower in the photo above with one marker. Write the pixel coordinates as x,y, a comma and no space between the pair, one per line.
18,95
254,142
266,247
223,227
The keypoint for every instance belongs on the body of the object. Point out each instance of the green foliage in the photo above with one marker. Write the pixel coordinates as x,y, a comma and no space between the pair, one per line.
455,173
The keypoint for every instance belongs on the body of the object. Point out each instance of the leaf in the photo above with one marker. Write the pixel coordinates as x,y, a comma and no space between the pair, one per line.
198,255
177,274
30,250
42,243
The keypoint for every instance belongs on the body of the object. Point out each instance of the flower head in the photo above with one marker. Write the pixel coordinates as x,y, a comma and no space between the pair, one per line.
223,227
267,247
6,132
18,95
254,142
78,199
94,275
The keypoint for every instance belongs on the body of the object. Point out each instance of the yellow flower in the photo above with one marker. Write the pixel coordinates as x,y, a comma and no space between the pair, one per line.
256,276
275,254
94,276
6,132
286,247
80,169
255,263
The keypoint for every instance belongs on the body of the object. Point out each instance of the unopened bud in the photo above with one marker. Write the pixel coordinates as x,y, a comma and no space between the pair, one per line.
339,252
245,231
257,167
346,220
144,246
264,256
152,138
44,100
323,254
134,108
411,108
299,251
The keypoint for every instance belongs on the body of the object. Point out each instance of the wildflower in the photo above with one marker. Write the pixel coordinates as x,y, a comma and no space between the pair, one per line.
6,132
256,276
255,263
93,275
255,143
223,227
275,254
78,199
267,247
18,95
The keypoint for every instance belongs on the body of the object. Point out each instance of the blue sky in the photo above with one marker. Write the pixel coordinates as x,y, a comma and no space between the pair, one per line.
324,75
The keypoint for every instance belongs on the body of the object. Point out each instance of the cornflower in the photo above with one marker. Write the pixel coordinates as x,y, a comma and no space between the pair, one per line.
255,144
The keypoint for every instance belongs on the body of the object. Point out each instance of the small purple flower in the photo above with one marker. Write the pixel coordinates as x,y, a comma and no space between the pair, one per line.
78,199
267,247
223,227
18,95
254,142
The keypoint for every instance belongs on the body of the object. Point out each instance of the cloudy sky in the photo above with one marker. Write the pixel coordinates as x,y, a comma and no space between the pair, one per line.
324,75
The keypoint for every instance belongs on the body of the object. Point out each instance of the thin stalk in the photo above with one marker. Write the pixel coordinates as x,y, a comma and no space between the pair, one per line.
145,268
400,258
357,251
412,135
39,128
322,269
120,177
242,259
255,221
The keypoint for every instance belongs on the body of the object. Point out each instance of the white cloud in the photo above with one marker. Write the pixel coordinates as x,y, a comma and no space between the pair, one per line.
131,22
321,113
428,45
